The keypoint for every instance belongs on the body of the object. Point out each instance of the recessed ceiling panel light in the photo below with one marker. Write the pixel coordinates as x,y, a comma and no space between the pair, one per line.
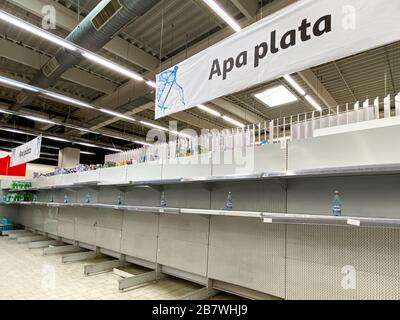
276,96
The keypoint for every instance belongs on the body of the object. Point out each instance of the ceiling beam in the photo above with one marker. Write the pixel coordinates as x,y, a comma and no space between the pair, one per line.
36,60
318,88
247,7
67,20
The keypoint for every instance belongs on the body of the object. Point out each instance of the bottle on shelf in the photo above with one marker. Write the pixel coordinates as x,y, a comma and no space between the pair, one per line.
337,205
51,198
35,198
120,199
163,201
88,198
229,203
66,200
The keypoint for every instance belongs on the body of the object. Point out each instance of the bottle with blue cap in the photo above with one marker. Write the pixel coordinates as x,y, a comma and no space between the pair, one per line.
229,202
88,198
337,205
120,199
163,201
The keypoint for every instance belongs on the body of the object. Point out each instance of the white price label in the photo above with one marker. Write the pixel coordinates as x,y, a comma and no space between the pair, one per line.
353,222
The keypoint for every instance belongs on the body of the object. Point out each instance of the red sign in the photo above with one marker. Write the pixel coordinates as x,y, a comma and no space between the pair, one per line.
6,170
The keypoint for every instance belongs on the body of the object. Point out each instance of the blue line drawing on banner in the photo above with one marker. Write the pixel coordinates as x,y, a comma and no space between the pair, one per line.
170,95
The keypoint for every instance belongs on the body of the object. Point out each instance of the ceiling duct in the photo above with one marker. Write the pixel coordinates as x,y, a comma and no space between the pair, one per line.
93,33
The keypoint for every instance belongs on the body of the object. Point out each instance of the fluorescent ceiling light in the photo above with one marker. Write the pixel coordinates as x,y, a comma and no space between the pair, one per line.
48,154
56,139
18,84
142,143
295,85
153,125
14,131
276,96
113,149
314,103
35,30
223,14
86,144
68,99
49,159
112,66
232,121
151,84
88,153
4,16
181,134
5,111
61,140
209,110
117,114
37,119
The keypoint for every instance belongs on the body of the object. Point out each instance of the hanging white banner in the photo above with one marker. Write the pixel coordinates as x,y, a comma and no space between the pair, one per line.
305,34
26,153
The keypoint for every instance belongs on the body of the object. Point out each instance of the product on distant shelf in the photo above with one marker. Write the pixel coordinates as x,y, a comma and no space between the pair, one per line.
337,205
18,197
120,200
163,200
6,224
229,202
20,185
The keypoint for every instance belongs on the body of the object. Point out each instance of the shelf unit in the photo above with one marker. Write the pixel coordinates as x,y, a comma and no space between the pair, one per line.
266,217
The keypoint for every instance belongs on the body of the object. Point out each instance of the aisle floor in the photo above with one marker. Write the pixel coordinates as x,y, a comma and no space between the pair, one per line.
28,275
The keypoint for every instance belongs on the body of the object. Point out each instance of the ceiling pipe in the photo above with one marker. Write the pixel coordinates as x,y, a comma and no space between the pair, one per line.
93,33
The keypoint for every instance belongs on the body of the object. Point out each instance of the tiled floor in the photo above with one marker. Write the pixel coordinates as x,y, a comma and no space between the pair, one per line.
27,274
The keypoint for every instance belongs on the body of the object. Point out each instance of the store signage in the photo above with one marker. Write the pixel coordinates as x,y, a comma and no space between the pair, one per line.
305,34
26,153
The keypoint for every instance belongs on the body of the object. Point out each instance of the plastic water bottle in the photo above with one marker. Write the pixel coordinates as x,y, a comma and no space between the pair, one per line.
163,201
120,199
229,203
52,199
337,205
88,198
35,198
66,199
